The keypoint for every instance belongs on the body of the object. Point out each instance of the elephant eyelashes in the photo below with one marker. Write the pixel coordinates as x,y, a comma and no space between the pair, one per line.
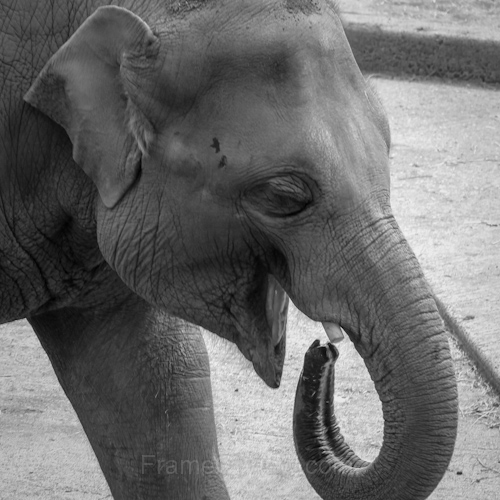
280,197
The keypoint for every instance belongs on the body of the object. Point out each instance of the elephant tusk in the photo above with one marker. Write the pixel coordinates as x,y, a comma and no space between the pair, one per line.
334,332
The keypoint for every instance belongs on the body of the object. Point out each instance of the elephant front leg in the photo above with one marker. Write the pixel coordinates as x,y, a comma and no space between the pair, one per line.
139,381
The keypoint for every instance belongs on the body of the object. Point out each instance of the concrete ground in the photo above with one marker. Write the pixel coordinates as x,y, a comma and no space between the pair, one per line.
445,185
445,38
472,19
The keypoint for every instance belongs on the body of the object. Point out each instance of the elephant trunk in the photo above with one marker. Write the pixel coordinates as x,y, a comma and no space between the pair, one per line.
396,328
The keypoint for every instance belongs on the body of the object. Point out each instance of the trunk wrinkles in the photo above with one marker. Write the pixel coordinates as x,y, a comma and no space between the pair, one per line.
400,335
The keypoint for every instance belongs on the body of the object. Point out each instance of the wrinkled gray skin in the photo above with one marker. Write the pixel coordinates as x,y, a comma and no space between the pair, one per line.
167,167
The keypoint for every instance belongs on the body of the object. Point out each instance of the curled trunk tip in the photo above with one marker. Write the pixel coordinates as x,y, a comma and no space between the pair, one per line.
404,469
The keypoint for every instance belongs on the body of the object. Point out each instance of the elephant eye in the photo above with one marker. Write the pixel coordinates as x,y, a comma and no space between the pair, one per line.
280,196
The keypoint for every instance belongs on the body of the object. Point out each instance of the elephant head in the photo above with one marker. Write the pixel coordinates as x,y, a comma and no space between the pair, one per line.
241,158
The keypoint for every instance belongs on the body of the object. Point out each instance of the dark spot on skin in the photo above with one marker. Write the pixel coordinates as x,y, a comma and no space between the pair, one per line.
223,161
216,145
279,69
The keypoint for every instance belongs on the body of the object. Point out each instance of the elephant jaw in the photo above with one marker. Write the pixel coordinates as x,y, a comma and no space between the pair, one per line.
268,357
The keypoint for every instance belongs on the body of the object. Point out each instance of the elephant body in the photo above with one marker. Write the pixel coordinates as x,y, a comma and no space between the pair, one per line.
168,165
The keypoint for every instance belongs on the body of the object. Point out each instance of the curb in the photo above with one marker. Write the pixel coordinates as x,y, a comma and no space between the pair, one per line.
475,353
379,50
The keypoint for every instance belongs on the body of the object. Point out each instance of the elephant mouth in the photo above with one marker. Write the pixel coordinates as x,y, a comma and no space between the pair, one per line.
276,309
267,354
268,357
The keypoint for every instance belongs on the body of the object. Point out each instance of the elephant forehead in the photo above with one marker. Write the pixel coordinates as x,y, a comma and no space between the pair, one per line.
252,89
251,45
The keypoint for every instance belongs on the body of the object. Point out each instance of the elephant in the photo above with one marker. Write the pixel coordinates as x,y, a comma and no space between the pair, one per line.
168,165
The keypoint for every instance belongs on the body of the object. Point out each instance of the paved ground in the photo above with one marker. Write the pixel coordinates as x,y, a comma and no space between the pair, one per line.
473,19
445,38
445,180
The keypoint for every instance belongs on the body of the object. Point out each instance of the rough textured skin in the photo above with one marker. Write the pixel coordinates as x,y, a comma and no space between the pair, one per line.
170,164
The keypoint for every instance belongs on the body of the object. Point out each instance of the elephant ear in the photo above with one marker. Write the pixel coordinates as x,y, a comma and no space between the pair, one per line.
88,88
